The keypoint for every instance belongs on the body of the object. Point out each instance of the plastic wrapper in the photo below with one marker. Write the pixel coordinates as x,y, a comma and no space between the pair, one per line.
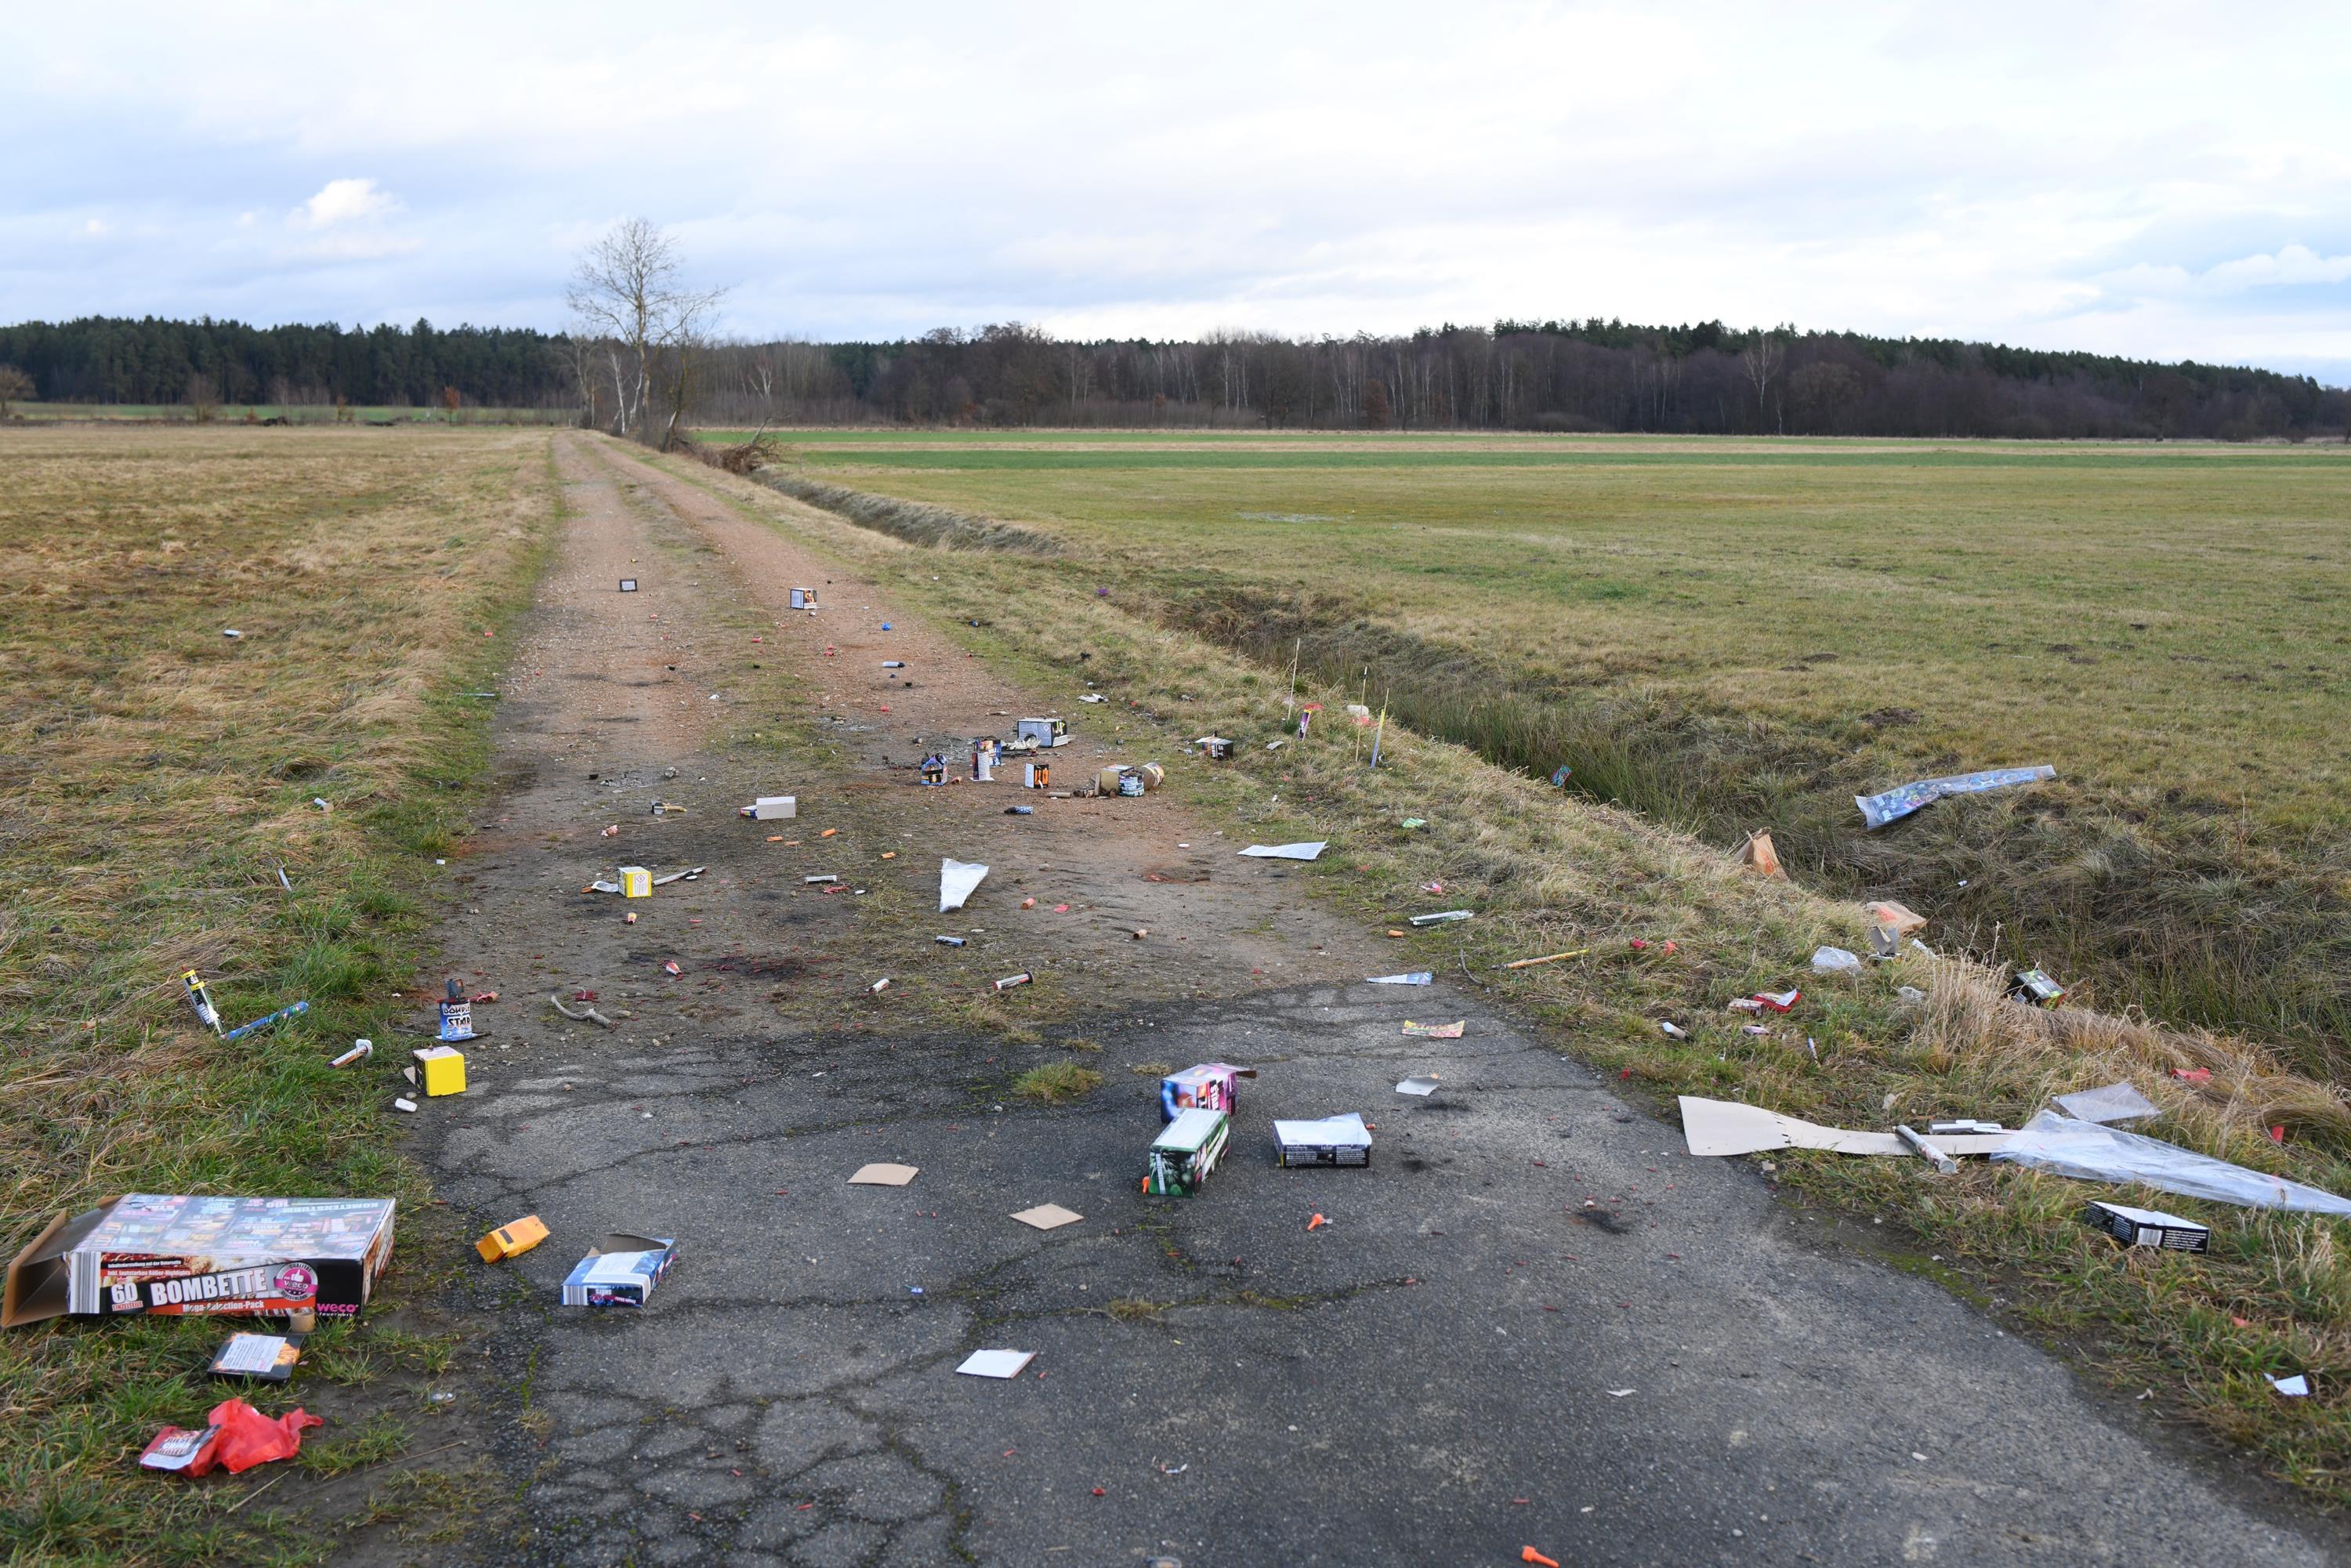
1897,803
2087,1152
237,1437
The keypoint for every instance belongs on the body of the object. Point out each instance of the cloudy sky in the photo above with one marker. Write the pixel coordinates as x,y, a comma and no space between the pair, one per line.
2171,181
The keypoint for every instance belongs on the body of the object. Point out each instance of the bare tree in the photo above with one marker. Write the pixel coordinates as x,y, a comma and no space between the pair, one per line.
625,292
204,397
15,384
1761,359
680,356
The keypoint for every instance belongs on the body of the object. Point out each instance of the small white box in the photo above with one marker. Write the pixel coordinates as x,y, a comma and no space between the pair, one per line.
768,808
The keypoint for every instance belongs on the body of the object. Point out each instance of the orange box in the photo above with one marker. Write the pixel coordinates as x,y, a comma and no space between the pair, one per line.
511,1240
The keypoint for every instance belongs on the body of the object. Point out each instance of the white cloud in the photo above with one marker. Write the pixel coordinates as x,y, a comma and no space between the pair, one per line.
343,202
95,226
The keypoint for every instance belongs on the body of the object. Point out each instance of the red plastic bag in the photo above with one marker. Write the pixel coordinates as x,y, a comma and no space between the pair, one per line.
247,1437
238,1438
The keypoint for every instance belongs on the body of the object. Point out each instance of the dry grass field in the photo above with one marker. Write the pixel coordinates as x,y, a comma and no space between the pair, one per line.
155,775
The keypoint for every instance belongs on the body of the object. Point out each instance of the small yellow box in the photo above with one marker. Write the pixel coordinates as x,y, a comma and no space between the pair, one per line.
511,1240
445,1069
636,882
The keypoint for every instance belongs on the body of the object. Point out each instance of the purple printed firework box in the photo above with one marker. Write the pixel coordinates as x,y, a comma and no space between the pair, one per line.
178,1255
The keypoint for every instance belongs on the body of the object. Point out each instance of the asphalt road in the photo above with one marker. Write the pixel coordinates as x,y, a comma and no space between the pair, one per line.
1532,1321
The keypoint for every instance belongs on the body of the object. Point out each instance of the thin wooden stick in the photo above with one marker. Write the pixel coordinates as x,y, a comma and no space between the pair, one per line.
1547,958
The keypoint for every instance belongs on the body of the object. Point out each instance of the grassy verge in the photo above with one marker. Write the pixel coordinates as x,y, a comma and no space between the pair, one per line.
1733,636
1548,872
155,776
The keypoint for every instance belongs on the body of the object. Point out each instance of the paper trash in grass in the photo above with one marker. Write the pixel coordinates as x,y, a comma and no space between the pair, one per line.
1299,851
1895,804
620,1270
1445,918
257,1357
2148,1228
1417,977
996,1364
1724,1127
958,879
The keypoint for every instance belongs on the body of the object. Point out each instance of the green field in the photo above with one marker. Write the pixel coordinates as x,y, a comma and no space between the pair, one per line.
1741,634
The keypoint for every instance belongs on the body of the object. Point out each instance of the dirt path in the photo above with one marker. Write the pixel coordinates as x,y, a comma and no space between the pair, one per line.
1532,1321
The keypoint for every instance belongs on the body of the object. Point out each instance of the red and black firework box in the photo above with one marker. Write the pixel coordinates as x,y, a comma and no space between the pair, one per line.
180,1256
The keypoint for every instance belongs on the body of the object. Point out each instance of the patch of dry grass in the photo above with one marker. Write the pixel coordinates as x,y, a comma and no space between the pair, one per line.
154,777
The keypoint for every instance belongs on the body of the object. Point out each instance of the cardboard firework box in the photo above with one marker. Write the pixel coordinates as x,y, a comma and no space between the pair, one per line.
1212,1085
620,1270
1185,1151
1329,1141
180,1256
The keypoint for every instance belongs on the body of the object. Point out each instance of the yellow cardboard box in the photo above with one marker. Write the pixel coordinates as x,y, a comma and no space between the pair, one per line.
511,1240
445,1069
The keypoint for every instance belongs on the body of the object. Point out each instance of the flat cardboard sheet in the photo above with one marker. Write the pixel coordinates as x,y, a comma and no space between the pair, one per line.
1434,1030
958,879
995,1363
884,1174
1303,852
1049,1216
1722,1127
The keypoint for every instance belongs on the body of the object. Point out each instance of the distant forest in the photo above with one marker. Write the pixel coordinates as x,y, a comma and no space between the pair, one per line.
1562,376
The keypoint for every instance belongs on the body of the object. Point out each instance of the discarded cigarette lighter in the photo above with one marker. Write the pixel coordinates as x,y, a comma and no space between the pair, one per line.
360,1050
1022,979
208,1015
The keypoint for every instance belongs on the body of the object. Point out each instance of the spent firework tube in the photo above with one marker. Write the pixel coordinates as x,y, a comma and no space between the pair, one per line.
1022,979
361,1048
202,1001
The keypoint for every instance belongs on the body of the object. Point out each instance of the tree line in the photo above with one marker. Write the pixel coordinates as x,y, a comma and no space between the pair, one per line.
621,368
116,360
1561,376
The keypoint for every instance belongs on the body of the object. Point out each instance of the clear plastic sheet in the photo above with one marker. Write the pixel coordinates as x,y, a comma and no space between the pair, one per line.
2087,1152
1899,803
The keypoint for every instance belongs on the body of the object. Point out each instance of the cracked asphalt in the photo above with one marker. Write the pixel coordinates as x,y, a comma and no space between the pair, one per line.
1532,1320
